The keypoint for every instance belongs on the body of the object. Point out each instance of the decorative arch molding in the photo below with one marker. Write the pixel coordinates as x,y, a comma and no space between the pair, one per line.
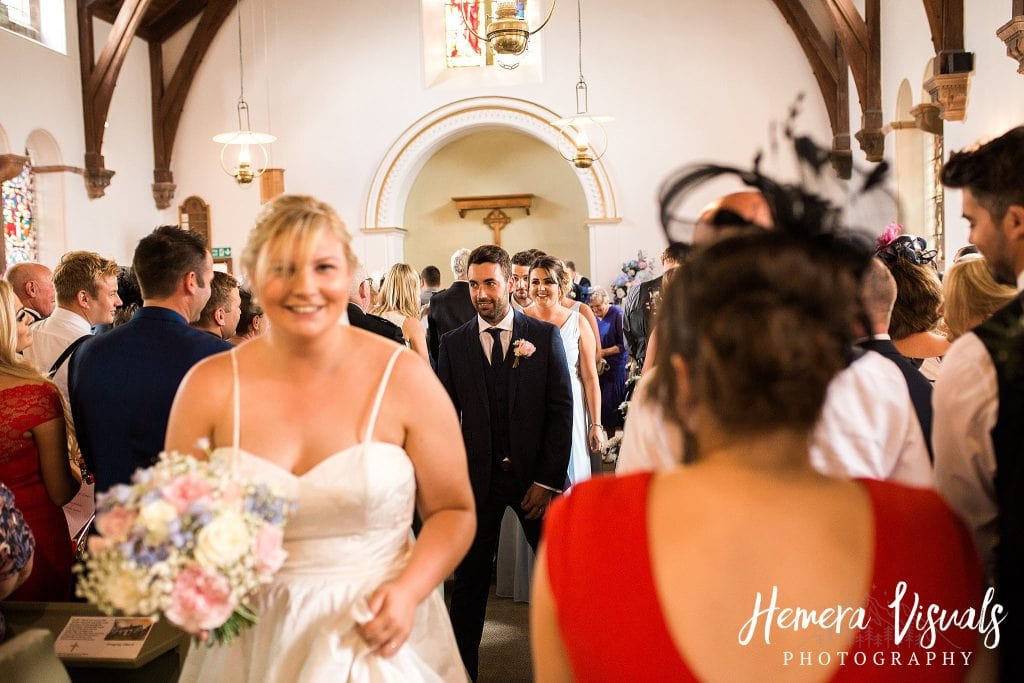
43,148
389,191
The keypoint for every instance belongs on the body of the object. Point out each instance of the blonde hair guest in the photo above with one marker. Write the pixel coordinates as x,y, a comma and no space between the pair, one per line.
972,295
399,303
34,459
311,397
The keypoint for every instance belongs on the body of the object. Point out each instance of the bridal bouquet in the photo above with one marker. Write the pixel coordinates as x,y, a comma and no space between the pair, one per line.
187,540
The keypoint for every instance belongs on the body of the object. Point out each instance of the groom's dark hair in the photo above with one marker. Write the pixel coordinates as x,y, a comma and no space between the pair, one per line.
491,253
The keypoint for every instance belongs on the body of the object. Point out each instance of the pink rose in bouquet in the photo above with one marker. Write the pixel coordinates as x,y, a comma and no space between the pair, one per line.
270,554
200,601
186,490
115,523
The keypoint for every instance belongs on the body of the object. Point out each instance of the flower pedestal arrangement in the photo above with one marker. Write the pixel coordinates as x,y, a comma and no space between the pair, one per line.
186,539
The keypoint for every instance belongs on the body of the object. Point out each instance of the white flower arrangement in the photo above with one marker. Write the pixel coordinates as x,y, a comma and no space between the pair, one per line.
188,540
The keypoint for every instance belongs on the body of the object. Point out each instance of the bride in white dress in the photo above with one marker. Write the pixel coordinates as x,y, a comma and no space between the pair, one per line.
358,431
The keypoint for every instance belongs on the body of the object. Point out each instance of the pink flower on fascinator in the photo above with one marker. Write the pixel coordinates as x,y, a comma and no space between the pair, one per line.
891,232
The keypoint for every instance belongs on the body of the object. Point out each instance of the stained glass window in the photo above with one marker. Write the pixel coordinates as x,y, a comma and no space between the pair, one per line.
21,242
462,48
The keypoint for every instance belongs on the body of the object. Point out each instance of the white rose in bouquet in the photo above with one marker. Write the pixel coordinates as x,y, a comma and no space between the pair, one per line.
223,541
154,517
125,590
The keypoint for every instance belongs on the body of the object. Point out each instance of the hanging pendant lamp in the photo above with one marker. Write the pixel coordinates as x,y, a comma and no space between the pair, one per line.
237,154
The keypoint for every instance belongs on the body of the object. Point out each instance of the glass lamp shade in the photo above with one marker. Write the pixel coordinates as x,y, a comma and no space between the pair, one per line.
584,139
236,155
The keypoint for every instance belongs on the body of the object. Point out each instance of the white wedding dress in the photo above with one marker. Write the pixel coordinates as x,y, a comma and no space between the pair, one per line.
350,533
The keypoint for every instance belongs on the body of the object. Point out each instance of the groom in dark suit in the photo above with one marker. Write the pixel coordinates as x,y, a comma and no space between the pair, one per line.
506,373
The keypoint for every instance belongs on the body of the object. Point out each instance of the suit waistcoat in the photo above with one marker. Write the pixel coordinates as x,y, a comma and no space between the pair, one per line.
1003,337
497,381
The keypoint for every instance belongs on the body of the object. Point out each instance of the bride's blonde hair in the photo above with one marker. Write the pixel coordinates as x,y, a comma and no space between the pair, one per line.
291,224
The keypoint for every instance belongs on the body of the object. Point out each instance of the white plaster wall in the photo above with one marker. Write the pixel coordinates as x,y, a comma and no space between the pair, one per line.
686,80
996,95
52,102
495,162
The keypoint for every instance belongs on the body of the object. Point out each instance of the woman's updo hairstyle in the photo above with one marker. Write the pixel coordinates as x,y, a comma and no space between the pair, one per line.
556,268
288,226
764,321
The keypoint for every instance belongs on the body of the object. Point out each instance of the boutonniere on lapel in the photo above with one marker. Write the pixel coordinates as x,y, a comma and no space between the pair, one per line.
522,349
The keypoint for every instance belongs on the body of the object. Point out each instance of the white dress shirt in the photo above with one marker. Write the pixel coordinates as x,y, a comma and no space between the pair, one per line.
650,441
867,429
965,404
487,341
51,336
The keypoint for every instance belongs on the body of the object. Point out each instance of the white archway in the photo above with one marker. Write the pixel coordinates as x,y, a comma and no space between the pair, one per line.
385,204
48,162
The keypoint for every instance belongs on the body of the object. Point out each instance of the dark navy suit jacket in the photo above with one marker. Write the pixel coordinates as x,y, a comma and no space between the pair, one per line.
122,384
449,308
540,404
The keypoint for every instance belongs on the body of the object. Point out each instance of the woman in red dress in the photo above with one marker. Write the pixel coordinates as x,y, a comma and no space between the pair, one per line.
687,575
34,462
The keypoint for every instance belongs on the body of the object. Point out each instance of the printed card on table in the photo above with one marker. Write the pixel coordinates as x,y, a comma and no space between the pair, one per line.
104,637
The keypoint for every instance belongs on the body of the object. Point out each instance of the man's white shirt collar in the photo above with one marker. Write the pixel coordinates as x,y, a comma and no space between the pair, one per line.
504,324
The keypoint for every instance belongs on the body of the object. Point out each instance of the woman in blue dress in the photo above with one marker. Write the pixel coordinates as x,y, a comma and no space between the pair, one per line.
613,351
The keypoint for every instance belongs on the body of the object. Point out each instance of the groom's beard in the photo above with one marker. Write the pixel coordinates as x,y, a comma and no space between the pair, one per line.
491,310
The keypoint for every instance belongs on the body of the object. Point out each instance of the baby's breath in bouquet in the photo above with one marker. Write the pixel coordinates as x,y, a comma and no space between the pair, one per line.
186,539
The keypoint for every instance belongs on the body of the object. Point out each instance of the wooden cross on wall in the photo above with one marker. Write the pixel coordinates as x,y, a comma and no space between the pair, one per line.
497,220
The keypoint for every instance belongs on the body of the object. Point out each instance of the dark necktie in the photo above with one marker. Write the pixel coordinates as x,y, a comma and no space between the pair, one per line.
497,357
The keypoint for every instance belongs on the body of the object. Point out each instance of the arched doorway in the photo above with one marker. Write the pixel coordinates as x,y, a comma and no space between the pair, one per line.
389,192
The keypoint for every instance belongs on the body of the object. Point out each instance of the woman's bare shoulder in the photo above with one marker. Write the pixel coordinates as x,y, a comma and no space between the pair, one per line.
210,374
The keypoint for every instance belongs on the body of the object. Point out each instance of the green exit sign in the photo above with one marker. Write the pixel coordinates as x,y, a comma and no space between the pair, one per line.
221,252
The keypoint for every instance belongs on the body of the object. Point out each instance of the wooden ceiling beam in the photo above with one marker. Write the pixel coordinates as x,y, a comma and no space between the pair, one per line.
169,101
953,65
174,19
99,76
818,52
861,41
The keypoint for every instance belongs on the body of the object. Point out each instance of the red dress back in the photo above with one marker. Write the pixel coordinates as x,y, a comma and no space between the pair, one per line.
611,621
22,408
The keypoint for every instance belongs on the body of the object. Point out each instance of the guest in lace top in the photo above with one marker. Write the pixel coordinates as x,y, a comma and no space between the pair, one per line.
34,462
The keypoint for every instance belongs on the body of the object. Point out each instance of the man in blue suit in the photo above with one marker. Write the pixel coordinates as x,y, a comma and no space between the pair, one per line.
507,375
122,382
